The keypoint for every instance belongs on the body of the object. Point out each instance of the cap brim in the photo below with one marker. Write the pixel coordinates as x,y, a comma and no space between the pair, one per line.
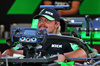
48,17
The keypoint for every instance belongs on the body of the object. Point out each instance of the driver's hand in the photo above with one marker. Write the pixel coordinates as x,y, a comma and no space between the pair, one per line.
61,58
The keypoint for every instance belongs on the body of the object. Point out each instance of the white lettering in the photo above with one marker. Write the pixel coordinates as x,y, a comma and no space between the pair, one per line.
52,45
56,45
49,12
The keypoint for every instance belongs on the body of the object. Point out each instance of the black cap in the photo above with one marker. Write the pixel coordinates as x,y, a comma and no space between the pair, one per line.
49,13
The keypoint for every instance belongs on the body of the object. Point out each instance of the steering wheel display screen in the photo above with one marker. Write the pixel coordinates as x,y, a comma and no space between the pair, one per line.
30,32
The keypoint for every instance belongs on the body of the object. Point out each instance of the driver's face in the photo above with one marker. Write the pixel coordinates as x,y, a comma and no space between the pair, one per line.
44,23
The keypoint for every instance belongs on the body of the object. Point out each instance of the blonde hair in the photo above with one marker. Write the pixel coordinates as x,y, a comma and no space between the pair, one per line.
58,30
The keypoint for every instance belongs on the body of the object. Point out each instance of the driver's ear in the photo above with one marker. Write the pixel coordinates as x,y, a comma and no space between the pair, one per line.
57,25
